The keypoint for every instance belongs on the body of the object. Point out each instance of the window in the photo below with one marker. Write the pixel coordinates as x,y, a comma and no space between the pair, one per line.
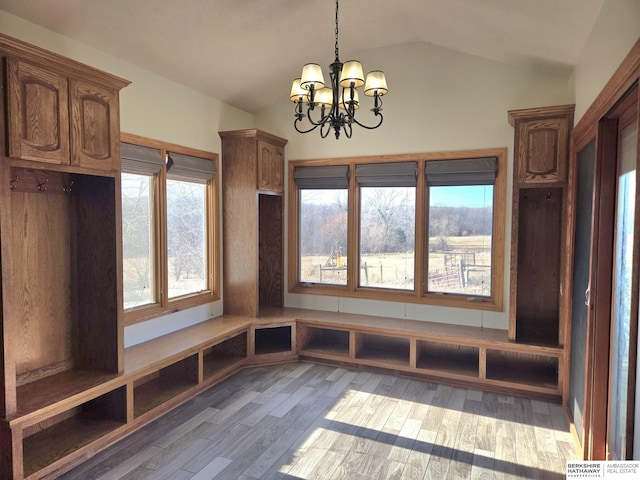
168,228
424,228
387,225
460,226
323,200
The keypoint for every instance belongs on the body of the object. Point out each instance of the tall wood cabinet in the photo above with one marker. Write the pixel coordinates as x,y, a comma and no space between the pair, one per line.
538,294
252,191
60,251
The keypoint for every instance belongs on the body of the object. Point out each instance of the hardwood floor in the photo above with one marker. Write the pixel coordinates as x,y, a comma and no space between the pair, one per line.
309,421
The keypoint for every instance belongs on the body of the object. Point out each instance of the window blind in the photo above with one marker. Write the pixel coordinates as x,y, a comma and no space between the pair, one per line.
188,168
140,160
467,171
322,177
402,174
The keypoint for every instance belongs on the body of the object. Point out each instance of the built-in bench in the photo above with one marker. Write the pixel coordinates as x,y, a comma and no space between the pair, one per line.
65,418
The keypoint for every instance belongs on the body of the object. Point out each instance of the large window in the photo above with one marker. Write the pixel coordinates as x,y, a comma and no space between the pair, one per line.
168,228
419,228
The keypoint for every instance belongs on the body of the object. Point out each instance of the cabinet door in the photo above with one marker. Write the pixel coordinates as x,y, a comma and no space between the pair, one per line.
38,113
542,152
270,167
94,126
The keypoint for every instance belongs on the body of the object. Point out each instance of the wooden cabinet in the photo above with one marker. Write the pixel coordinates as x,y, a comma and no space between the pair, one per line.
60,244
541,144
55,118
252,220
270,167
540,196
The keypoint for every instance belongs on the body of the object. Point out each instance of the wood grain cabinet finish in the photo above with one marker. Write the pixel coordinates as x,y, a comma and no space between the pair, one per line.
57,119
94,132
38,113
541,144
270,167
252,187
540,196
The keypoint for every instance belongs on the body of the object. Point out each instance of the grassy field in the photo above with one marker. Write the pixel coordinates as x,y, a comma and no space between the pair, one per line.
397,270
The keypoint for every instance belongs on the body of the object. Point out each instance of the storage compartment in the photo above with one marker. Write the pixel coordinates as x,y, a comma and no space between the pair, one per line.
270,251
538,269
448,358
523,368
323,341
382,348
65,272
272,340
46,442
223,355
153,390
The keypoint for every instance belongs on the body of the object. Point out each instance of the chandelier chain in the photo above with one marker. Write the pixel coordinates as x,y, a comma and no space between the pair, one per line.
337,53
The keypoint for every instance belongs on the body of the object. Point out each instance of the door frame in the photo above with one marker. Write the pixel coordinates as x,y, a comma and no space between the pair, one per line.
597,123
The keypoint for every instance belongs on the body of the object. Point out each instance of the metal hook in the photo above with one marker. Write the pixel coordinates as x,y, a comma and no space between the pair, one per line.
13,182
548,195
42,186
67,188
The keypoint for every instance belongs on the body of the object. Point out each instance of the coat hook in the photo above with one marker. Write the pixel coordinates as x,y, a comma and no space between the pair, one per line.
67,188
548,195
13,181
42,186
526,197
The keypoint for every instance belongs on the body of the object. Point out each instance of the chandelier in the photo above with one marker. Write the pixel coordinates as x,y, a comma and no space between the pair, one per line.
336,104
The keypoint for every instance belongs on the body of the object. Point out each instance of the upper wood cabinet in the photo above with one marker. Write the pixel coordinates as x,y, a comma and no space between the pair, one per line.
541,144
56,118
270,166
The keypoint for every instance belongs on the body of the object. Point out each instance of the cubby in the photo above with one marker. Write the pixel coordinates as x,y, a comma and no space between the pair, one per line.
220,357
523,368
448,358
393,351
47,442
154,389
67,311
275,339
323,341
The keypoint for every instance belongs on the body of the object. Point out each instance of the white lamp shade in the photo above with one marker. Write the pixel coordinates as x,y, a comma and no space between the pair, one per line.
312,76
324,97
352,73
376,83
298,94
346,96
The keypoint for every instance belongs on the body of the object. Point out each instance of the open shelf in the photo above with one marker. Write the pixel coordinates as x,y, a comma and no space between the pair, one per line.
272,340
382,348
224,355
523,368
448,358
153,390
73,429
324,341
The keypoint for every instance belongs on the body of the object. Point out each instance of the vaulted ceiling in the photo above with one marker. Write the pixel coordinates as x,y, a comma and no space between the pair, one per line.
246,52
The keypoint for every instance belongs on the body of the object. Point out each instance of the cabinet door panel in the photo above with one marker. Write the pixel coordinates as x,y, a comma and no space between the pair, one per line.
270,167
542,154
38,113
95,126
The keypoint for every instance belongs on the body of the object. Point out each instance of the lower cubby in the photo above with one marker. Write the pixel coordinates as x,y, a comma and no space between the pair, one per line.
268,340
53,439
323,341
154,389
523,368
448,358
382,348
223,355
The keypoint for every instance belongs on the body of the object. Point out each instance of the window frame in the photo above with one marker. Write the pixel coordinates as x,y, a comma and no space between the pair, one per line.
419,294
163,305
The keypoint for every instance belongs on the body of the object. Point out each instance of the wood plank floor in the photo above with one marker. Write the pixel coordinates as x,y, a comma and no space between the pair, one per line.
309,421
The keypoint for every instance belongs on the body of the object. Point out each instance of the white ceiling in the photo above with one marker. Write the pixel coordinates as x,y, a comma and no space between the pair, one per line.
246,52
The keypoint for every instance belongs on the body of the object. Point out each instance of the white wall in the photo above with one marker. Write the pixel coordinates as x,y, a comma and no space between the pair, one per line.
155,107
614,33
439,100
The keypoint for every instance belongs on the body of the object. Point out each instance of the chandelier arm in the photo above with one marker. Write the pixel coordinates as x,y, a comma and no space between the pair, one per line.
378,114
295,125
